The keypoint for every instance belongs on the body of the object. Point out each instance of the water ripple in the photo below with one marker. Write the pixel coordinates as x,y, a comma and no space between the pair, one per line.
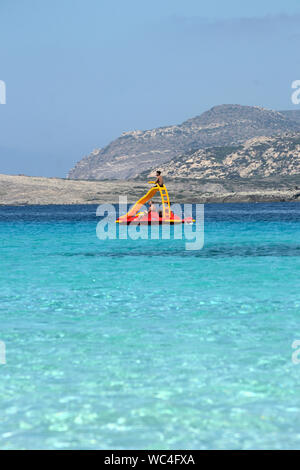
219,251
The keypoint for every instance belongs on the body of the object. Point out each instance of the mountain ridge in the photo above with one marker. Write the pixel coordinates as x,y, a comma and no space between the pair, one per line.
133,152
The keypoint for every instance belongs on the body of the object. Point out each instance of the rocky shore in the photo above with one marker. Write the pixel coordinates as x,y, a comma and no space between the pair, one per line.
27,190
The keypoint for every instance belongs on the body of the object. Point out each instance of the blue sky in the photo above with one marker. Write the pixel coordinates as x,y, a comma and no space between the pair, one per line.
80,72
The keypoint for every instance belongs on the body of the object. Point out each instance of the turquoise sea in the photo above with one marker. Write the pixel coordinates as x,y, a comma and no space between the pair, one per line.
141,344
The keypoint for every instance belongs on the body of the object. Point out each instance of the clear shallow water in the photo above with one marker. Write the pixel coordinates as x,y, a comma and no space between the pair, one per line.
142,344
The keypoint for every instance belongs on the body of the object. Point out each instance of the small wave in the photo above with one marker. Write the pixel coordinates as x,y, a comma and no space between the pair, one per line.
221,251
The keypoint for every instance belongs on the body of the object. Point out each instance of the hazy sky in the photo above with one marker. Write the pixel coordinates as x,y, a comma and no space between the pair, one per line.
80,72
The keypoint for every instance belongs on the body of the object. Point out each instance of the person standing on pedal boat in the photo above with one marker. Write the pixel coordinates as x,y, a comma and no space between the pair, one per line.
159,179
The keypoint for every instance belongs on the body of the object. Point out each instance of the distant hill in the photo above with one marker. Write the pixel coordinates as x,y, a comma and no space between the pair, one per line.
226,125
257,157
